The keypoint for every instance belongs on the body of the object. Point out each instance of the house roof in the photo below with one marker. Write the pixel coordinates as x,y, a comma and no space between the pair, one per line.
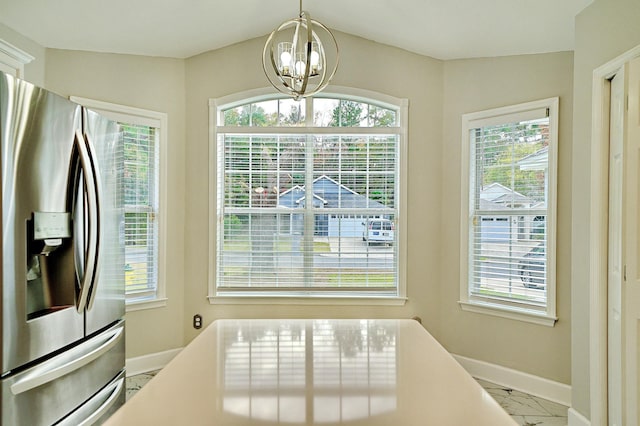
539,160
490,205
328,193
497,193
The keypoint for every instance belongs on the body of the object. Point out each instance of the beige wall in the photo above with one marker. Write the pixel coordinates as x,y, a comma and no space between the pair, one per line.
438,92
155,84
475,85
604,30
365,65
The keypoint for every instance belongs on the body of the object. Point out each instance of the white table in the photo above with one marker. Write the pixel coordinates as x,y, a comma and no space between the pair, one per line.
313,372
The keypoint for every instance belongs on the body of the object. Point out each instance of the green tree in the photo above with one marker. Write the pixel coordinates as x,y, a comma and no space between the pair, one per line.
504,170
138,143
347,114
295,116
249,115
138,147
381,117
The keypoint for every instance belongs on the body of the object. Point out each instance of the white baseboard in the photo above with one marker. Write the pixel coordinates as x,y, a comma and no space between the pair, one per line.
577,419
518,380
151,362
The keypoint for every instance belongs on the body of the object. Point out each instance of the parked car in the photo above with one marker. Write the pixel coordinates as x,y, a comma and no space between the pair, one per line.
532,268
378,231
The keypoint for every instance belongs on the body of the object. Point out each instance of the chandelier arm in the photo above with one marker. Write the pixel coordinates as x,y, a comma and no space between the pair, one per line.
307,67
321,53
324,83
264,53
273,64
296,34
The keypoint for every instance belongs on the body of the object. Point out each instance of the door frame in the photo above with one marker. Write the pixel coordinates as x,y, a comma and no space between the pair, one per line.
598,230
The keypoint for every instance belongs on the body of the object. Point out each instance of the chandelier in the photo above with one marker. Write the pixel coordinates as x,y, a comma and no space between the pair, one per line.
294,58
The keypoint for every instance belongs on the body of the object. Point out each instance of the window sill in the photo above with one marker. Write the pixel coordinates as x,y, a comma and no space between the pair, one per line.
539,318
309,300
142,304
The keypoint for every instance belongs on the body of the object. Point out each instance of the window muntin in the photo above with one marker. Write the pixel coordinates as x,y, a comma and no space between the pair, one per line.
509,229
287,245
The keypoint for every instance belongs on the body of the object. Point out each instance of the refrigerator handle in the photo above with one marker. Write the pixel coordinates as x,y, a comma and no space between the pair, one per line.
69,361
90,250
90,412
97,188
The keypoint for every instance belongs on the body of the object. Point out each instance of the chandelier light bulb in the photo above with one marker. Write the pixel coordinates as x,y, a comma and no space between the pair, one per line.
285,58
285,61
315,60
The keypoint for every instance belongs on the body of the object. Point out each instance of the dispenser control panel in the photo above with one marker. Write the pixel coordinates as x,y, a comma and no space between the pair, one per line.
48,225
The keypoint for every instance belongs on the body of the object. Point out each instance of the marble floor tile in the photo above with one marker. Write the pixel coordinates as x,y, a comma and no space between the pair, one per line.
135,383
527,410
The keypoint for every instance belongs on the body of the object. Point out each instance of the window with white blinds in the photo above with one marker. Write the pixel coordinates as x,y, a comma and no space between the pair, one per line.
140,180
508,223
307,200
143,139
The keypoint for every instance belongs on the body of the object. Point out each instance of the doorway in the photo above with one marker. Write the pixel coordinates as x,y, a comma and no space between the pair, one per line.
615,294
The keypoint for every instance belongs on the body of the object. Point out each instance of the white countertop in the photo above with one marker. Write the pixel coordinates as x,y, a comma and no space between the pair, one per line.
313,372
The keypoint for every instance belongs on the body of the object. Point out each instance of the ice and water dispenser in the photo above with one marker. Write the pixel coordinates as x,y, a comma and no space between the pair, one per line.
50,263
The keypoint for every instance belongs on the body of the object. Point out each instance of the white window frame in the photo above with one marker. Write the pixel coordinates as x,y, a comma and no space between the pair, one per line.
257,95
159,120
490,117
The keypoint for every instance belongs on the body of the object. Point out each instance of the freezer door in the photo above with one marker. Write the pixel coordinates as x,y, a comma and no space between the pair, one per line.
101,406
52,390
106,298
38,277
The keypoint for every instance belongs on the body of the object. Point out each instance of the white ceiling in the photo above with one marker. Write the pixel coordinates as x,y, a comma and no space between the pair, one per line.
443,29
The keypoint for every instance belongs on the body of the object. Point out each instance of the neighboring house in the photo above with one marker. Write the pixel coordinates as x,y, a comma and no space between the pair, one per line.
329,194
496,227
538,161
503,196
498,197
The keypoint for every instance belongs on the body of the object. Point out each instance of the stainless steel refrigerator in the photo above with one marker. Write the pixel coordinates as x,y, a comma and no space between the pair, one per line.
62,289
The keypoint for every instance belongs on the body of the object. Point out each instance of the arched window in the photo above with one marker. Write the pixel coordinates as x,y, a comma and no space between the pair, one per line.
307,196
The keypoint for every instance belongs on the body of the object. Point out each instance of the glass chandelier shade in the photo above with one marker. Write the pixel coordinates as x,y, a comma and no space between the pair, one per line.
294,58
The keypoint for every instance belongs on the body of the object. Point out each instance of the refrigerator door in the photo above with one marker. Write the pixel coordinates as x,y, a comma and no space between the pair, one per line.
38,309
52,390
106,302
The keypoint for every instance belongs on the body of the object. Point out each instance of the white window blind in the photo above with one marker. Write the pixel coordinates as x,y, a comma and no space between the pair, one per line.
307,208
510,226
140,181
